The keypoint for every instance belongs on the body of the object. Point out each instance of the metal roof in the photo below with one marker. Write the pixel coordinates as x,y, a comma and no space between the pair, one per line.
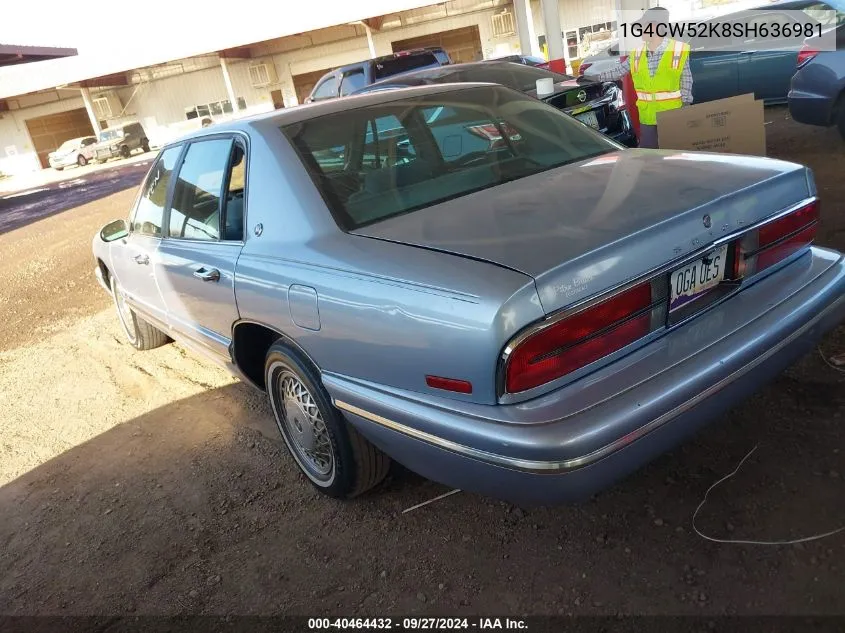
159,40
11,54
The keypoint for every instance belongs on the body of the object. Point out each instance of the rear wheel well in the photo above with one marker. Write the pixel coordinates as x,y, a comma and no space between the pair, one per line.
250,342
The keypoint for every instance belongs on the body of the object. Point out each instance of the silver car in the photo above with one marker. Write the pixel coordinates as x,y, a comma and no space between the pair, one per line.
76,151
466,280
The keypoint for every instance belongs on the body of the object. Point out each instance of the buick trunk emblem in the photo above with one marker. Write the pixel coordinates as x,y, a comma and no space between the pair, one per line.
582,96
707,222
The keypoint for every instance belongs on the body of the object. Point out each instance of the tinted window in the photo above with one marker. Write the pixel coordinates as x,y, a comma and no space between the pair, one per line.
403,64
195,212
326,90
88,141
148,214
413,153
352,82
825,14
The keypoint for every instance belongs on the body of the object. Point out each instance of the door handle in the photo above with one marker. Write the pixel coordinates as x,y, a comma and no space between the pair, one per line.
212,274
142,259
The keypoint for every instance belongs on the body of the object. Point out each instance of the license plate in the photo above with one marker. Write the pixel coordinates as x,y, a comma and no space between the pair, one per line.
693,280
589,118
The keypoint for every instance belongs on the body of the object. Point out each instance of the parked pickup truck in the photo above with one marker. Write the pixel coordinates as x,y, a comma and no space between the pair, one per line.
120,141
352,77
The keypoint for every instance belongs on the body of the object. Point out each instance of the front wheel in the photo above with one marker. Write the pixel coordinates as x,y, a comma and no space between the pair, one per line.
124,151
140,334
81,160
337,460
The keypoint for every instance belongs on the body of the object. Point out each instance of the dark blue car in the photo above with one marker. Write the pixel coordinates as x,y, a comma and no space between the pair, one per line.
817,96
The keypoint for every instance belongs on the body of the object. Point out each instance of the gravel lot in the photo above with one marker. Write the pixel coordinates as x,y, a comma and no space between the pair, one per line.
153,483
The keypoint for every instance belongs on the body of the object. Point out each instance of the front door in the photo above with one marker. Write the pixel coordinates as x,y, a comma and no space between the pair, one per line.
202,242
134,257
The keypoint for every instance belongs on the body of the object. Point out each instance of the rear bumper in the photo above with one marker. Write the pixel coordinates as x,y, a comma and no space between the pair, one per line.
810,108
580,439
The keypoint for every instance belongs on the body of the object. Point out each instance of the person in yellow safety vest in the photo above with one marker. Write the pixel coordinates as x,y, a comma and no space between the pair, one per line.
660,72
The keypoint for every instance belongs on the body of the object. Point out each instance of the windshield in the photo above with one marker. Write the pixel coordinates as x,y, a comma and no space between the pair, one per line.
403,64
517,76
109,135
379,161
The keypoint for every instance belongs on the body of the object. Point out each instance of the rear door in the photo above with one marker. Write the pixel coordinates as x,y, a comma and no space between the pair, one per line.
202,242
767,64
715,70
135,256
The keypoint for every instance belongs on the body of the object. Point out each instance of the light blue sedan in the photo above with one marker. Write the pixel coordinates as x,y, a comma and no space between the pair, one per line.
468,281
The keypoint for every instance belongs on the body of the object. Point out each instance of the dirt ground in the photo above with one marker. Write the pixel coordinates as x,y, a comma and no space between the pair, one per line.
153,483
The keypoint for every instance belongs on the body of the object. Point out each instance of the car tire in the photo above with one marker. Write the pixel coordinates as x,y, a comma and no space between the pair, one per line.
81,160
140,334
125,151
346,465
145,145
58,168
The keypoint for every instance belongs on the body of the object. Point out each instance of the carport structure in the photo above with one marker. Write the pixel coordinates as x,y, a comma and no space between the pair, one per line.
12,54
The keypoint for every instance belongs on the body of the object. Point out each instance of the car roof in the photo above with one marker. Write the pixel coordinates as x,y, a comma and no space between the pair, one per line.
417,76
305,112
375,60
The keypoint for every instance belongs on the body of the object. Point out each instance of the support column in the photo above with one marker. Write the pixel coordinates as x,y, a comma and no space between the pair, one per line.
233,99
89,108
554,36
370,42
528,44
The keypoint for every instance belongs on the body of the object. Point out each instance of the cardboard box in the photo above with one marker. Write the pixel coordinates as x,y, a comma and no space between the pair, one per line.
735,126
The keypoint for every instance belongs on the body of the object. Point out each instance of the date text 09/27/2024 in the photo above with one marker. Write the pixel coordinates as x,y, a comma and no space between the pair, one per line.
416,623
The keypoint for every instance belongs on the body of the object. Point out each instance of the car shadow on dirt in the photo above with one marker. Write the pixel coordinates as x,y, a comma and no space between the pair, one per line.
196,508
24,207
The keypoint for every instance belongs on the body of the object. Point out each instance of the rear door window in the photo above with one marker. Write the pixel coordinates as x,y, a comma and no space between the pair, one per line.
196,209
352,81
326,90
147,219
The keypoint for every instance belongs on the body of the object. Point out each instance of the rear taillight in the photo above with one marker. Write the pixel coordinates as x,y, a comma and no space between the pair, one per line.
551,351
583,67
578,340
774,241
806,54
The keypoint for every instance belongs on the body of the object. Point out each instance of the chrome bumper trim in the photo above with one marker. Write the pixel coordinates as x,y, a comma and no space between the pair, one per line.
552,467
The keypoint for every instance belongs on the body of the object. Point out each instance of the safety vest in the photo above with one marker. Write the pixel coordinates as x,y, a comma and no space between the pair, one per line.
662,91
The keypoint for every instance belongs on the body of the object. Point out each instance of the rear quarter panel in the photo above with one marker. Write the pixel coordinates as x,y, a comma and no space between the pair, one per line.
386,313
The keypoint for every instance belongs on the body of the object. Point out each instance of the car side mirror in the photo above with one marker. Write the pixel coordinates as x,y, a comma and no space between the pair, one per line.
114,231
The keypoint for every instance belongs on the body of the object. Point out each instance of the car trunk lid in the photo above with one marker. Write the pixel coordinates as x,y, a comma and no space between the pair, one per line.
586,227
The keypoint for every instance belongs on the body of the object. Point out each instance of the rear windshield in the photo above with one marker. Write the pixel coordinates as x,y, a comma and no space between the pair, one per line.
403,64
375,162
